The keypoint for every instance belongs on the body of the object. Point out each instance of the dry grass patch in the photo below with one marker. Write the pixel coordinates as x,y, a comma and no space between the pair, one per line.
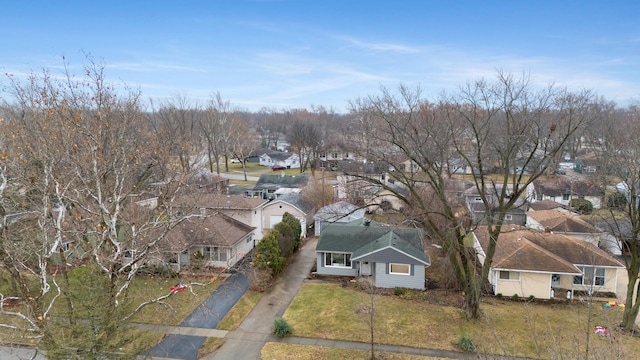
173,309
240,310
280,351
508,327
210,345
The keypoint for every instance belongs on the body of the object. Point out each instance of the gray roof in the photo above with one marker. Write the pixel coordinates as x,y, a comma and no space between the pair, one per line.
340,211
296,200
360,239
277,180
278,155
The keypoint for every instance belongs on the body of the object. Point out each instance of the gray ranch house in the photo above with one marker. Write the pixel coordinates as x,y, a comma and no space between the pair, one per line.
392,257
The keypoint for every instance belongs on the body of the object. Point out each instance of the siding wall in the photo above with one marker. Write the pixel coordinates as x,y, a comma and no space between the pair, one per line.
330,270
384,280
536,284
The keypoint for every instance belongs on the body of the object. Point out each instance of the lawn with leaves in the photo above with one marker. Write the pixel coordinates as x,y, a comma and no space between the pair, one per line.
513,328
174,309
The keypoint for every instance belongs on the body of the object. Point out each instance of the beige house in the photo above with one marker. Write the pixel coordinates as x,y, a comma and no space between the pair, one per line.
545,265
215,240
247,210
563,222
291,203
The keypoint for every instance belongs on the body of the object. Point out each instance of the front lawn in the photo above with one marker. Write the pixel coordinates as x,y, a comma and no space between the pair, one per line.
282,351
508,327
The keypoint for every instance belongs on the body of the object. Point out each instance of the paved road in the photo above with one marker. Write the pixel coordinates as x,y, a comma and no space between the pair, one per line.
206,316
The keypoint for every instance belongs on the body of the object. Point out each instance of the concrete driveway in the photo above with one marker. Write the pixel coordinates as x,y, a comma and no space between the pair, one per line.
247,341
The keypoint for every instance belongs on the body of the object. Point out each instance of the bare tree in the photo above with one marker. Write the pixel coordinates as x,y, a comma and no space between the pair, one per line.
620,147
243,141
175,121
304,136
76,158
216,128
505,129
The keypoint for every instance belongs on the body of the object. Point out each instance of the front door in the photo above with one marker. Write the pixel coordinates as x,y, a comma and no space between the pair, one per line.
365,268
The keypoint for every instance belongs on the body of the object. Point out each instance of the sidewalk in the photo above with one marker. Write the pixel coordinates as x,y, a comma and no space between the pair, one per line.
247,341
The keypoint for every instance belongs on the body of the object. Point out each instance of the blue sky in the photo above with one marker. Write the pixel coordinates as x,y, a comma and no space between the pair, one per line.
296,53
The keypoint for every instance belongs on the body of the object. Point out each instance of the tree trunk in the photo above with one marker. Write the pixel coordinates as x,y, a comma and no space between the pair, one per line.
630,313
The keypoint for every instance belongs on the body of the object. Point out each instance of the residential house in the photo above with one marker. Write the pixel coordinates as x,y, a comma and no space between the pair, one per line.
478,211
246,210
214,240
376,192
268,184
564,222
563,190
280,158
392,257
545,265
340,212
205,180
547,205
294,204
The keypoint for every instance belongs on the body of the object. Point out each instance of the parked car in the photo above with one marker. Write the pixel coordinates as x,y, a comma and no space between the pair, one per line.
235,161
278,167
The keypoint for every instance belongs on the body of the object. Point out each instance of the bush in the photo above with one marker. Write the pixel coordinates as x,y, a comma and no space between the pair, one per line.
281,328
515,297
499,295
399,291
466,343
582,206
617,200
531,298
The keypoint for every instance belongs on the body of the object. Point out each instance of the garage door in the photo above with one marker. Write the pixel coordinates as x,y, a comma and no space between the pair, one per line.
274,219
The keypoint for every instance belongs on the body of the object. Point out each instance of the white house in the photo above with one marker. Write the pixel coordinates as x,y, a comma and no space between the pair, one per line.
280,158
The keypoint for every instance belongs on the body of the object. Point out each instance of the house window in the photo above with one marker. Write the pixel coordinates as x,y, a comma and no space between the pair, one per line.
555,279
346,155
565,196
508,217
334,155
509,275
217,253
399,269
539,197
337,259
323,155
591,276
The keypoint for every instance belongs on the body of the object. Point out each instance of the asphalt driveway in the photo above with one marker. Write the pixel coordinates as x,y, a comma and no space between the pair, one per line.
206,316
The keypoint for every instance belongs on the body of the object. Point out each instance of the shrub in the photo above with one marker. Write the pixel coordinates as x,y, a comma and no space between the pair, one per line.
531,298
617,200
499,295
399,291
466,343
515,297
582,206
281,328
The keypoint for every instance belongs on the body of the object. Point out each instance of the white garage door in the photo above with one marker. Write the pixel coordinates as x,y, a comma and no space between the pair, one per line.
274,219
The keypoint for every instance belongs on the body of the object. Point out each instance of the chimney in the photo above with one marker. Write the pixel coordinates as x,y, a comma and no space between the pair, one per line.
547,230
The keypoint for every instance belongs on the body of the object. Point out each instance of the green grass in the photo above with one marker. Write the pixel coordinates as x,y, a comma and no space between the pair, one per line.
510,328
240,310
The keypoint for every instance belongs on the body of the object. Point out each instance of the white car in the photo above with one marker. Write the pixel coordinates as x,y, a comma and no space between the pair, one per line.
235,161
